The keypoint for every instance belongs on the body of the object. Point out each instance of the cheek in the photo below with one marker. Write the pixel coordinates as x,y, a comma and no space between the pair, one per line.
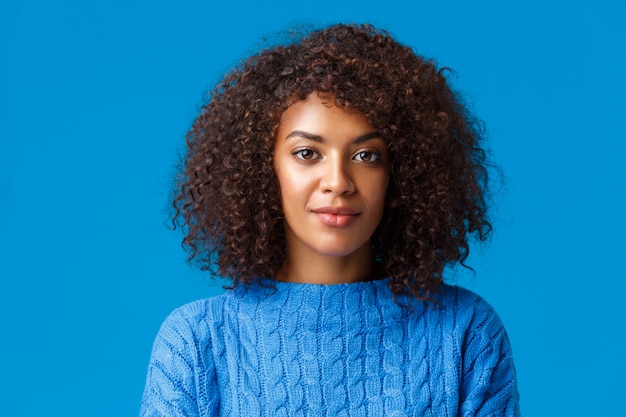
292,189
379,192
286,185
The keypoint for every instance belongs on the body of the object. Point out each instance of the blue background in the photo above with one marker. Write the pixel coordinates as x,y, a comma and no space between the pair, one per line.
95,99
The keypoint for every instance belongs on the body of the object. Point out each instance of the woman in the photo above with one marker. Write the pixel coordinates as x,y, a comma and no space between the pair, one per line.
333,180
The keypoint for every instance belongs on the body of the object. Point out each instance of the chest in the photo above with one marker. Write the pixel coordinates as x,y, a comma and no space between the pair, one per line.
334,366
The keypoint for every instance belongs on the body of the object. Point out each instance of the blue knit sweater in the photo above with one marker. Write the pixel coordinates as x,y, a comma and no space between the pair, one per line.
331,350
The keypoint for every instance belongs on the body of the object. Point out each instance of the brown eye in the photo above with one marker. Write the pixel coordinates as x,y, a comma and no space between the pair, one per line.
367,156
305,154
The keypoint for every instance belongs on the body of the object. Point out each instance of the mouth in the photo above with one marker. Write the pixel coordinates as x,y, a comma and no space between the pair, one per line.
336,216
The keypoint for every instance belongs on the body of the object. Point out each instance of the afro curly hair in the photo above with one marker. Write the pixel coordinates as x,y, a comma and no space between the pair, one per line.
228,199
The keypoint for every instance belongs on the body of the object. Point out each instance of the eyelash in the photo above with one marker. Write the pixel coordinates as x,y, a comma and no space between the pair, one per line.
376,157
298,154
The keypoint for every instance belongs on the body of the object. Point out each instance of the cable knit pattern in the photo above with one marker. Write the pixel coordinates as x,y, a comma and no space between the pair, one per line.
331,350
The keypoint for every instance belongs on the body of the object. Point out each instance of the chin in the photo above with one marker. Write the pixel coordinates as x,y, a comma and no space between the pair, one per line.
338,250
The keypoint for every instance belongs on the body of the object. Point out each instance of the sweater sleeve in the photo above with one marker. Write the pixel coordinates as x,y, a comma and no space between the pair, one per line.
181,381
489,385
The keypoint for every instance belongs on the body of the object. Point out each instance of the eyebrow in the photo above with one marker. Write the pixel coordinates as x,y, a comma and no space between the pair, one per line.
320,139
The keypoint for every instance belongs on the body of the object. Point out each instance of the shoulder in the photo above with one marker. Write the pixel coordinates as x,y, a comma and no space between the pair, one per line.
477,329
188,329
181,374
191,319
488,376
192,312
470,312
452,296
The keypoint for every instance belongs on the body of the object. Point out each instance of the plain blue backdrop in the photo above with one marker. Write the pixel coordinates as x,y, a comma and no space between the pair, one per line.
95,99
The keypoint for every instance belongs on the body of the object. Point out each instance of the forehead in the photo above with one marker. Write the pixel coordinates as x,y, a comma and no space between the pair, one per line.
318,114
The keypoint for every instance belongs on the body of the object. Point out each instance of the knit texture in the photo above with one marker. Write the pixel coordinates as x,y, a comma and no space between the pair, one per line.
331,350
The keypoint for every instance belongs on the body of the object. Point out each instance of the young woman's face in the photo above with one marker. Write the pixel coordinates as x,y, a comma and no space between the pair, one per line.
333,170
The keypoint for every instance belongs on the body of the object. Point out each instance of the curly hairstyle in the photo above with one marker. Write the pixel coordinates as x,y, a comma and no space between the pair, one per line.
228,198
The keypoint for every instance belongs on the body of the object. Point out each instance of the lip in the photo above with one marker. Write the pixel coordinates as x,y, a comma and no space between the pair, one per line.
336,216
337,210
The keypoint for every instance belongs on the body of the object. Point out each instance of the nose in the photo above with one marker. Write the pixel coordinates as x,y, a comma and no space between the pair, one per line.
337,178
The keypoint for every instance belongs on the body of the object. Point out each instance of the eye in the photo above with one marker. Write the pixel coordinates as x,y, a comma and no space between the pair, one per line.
367,156
306,154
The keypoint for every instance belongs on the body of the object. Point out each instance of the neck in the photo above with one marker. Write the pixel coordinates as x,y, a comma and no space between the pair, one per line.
323,269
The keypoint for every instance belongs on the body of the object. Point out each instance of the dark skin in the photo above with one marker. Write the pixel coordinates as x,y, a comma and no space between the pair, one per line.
333,171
